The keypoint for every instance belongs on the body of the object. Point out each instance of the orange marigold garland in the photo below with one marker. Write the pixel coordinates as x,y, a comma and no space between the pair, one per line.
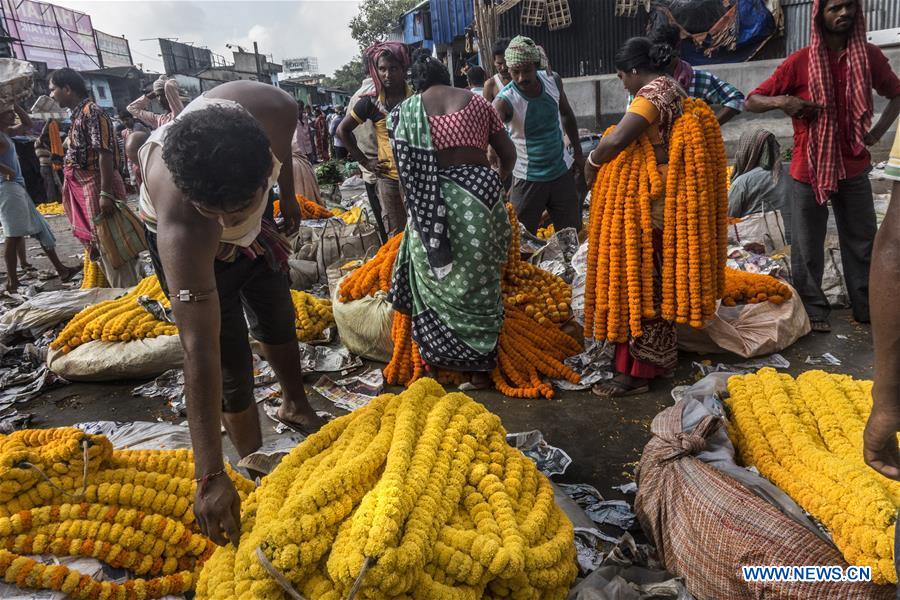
374,275
308,209
742,287
619,285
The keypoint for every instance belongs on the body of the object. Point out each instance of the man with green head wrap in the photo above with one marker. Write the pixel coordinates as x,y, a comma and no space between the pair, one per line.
537,113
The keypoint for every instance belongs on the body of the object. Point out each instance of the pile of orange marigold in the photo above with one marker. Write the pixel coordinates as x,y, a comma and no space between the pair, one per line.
308,209
531,347
619,290
742,287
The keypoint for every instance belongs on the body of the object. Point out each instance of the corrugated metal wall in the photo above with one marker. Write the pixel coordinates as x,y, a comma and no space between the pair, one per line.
449,19
880,14
588,46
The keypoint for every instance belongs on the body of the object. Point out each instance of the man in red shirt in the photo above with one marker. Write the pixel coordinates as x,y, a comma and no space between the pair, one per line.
826,88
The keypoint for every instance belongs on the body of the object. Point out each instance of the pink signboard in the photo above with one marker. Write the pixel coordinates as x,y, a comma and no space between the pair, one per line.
57,36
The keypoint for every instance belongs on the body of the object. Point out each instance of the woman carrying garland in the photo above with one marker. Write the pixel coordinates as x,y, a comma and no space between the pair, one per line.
642,67
448,269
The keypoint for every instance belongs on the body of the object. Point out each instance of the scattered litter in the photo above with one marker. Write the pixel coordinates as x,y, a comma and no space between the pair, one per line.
141,435
825,359
603,512
267,458
627,488
326,359
594,365
556,255
25,382
776,361
271,406
589,540
352,392
550,459
841,336
170,387
156,308
12,420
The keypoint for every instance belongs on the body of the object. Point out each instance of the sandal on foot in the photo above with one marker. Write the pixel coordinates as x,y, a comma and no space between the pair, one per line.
820,326
621,389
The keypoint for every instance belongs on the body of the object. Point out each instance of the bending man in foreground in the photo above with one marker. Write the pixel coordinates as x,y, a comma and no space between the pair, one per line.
205,200
880,447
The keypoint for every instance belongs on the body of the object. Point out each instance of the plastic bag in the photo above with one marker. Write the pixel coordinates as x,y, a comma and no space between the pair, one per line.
110,361
365,325
766,228
749,330
49,309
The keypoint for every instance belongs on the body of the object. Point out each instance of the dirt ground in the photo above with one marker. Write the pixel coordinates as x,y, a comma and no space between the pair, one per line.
604,437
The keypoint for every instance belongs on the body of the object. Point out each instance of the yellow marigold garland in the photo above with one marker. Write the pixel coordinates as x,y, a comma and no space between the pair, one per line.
416,495
129,509
119,320
805,435
619,287
51,208
93,276
313,315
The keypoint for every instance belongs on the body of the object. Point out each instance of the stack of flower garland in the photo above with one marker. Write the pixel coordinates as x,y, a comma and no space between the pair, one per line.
129,509
313,315
308,209
93,276
742,287
531,344
119,320
374,275
51,208
806,436
619,289
415,495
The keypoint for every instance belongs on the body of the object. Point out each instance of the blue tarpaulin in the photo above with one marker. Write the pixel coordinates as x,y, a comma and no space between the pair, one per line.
450,19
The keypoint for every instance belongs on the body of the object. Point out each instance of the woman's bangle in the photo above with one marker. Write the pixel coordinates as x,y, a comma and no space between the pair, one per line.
107,195
590,161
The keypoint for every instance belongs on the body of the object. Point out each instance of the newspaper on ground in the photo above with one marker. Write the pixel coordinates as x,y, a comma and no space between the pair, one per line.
594,365
550,459
617,513
826,359
776,361
351,393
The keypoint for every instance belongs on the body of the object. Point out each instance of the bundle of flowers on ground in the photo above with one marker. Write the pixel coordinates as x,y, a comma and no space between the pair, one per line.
742,287
308,209
619,291
313,315
374,275
66,493
806,436
121,320
415,495
51,208
93,276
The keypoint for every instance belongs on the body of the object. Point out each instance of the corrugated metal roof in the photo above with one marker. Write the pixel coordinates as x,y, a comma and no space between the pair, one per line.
449,19
880,14
588,46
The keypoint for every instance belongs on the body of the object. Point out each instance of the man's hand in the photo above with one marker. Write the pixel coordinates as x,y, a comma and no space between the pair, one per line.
579,158
218,510
590,174
107,206
379,167
880,442
800,108
290,212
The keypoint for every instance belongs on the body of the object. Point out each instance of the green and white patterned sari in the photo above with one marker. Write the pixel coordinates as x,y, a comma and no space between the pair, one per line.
447,274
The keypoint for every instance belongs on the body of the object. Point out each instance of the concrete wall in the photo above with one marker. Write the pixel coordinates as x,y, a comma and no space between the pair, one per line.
599,101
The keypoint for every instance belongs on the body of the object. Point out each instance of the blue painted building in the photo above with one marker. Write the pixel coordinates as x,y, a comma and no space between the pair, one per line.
416,26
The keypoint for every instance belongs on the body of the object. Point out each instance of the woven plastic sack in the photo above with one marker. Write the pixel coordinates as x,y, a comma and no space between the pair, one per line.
706,525
766,228
16,81
749,330
48,309
111,361
364,325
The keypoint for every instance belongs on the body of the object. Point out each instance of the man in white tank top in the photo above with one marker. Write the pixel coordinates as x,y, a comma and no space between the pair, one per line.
496,83
205,201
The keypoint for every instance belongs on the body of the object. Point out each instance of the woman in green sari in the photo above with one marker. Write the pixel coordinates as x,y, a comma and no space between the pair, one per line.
447,274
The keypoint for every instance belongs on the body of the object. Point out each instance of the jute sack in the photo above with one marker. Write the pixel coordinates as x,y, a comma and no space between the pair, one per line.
706,524
365,325
109,361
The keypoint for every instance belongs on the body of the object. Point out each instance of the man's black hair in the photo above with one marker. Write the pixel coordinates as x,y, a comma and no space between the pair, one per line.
71,79
500,46
219,157
475,76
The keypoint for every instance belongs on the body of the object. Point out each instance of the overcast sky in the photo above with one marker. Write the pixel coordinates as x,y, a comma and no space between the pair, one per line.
282,29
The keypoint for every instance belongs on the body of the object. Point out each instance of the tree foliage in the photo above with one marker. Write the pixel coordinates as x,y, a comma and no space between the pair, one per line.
349,77
376,19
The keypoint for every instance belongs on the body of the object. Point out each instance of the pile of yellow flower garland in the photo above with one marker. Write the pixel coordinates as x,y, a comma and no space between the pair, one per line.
805,435
93,275
313,315
129,509
415,495
51,208
119,320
